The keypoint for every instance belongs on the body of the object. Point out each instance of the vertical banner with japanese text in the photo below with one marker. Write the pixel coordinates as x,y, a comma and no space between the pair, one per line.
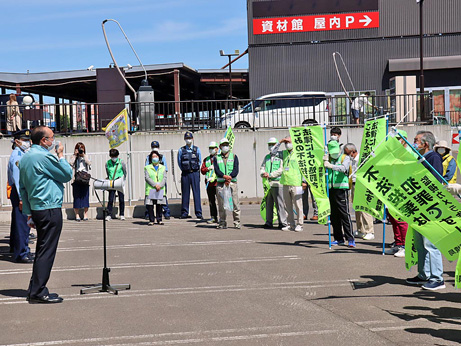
413,194
364,200
229,135
308,146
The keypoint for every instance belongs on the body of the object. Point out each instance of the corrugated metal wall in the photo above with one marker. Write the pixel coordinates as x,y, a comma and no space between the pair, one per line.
310,67
290,62
397,18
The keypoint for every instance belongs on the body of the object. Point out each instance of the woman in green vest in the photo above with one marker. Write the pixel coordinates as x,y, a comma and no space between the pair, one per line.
115,169
154,174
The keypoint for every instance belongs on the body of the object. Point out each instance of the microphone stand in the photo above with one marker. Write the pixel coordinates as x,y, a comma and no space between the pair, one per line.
105,286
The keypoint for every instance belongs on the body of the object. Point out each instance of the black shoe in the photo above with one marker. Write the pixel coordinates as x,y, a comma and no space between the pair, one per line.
52,298
167,217
184,217
267,226
26,259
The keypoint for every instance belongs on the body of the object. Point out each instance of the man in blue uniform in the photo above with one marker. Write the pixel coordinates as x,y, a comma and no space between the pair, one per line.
41,183
19,234
189,161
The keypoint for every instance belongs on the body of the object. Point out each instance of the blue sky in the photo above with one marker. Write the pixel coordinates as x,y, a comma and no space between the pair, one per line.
58,35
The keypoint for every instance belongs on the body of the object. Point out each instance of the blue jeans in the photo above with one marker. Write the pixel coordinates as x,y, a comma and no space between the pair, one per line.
430,264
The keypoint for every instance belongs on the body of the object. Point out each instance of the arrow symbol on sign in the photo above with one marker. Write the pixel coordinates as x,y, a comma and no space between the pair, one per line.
367,20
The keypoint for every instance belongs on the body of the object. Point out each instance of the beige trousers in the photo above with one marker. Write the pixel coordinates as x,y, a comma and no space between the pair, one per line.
294,204
363,220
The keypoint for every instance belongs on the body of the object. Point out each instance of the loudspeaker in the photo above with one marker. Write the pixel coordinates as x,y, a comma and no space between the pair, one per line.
117,184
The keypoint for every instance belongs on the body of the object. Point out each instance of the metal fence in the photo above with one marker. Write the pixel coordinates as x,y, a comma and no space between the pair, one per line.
276,112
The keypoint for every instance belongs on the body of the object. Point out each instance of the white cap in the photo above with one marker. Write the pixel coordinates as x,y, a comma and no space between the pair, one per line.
272,140
224,140
442,144
213,145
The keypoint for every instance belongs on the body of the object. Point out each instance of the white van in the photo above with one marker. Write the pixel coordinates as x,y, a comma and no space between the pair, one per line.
280,110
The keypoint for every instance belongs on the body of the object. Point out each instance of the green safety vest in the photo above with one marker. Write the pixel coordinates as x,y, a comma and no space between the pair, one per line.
155,175
210,175
225,169
272,166
291,173
111,168
338,180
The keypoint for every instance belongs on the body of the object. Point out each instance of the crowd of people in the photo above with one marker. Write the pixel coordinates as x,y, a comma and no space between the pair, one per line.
36,178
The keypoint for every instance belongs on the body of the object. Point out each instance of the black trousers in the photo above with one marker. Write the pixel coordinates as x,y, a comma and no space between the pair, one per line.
340,216
211,192
158,212
48,223
19,233
121,202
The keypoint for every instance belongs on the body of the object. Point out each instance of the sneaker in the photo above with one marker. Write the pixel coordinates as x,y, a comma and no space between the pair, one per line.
391,245
351,243
108,218
122,217
298,228
286,228
434,285
368,236
211,221
335,243
222,226
150,223
417,281
78,219
237,225
392,251
400,253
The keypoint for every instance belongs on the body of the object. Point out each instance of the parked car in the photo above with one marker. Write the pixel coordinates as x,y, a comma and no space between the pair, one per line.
280,110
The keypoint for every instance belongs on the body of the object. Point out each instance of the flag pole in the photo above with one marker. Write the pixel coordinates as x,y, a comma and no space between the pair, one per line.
384,212
328,189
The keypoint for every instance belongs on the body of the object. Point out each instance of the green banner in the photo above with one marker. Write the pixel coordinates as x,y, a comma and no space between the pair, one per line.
364,200
411,256
308,146
458,273
230,137
414,195
262,208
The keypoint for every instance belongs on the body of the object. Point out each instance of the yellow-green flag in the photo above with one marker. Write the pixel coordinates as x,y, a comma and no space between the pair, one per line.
411,255
262,208
117,129
414,195
364,200
308,146
229,135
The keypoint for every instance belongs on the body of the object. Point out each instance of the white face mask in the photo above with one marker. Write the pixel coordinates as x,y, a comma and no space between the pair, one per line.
114,159
212,151
225,149
25,146
441,151
188,141
289,146
51,147
334,138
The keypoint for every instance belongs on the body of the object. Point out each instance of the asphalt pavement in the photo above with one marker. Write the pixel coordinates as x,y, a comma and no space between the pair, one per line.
192,284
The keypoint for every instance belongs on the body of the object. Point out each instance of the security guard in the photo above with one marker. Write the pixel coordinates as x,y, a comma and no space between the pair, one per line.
207,170
226,166
189,159
272,169
19,233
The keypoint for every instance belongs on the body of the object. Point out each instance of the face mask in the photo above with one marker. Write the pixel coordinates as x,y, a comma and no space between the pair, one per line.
212,151
114,159
334,138
53,144
225,149
155,160
188,141
289,146
335,156
441,151
25,146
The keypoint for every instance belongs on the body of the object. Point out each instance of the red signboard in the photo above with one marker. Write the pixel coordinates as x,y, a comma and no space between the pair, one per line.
455,138
339,21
